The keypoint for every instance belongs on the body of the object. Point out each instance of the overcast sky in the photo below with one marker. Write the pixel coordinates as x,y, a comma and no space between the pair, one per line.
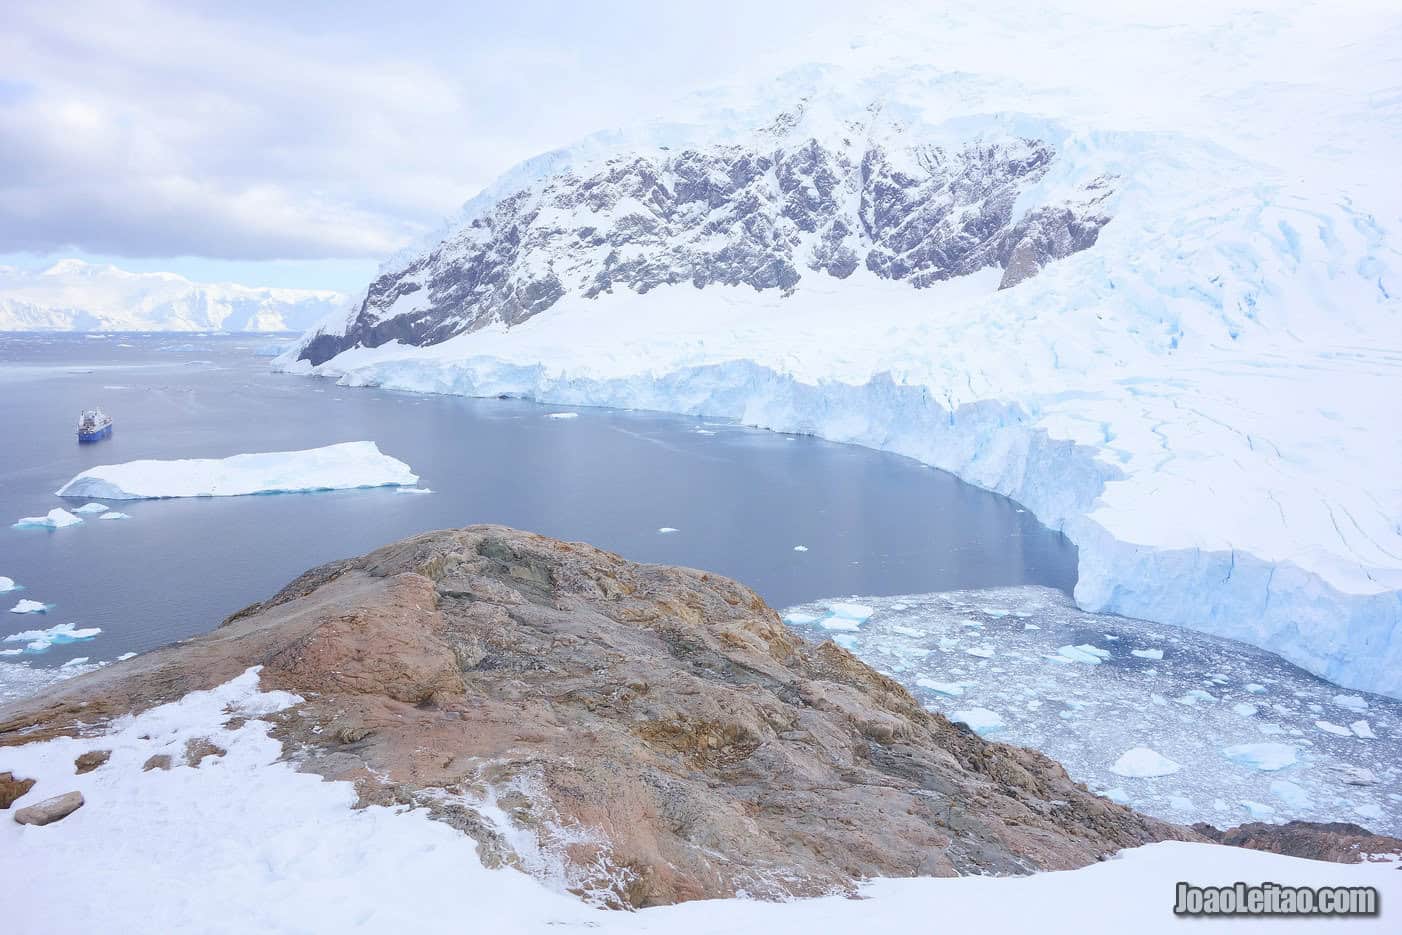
299,143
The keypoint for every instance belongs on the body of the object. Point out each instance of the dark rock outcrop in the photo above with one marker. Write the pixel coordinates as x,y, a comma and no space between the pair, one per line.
12,787
762,215
657,733
87,762
1338,841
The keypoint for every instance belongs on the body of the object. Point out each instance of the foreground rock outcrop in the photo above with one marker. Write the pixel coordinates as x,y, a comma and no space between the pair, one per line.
1339,842
639,734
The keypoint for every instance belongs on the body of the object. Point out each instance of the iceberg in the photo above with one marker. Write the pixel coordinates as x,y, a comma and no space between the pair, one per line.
29,607
981,721
854,612
92,508
1143,763
40,640
1268,756
57,518
7,584
345,466
114,515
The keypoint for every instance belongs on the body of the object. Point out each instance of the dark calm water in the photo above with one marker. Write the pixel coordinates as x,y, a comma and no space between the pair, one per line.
740,498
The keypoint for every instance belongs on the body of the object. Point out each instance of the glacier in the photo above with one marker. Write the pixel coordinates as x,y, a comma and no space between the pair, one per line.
1198,399
334,467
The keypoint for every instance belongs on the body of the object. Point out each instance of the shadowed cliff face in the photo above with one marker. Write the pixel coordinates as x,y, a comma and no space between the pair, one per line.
764,216
637,734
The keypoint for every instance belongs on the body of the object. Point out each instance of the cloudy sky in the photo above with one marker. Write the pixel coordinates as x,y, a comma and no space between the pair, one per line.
298,143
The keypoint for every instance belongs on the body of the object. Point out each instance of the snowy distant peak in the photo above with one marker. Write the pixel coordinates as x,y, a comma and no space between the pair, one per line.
72,295
766,213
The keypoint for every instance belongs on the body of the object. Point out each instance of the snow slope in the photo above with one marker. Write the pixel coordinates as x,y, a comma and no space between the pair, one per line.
75,296
200,848
1201,399
334,467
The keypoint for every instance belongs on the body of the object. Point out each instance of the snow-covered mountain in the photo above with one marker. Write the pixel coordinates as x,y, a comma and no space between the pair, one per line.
1141,275
73,295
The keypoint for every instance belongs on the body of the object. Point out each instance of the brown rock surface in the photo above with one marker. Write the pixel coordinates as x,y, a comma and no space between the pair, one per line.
50,810
87,762
156,761
12,787
658,731
1338,841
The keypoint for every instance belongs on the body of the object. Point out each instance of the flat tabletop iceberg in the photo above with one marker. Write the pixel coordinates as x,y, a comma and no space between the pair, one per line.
334,467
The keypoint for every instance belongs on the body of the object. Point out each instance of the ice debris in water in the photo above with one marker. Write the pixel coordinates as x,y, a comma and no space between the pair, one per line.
1264,756
1091,655
1143,762
40,640
1147,653
26,606
952,689
1363,730
800,548
858,612
667,530
92,508
57,518
114,515
1257,810
797,619
1291,794
401,490
562,415
7,584
1331,728
1352,702
1193,696
981,721
1244,709
74,662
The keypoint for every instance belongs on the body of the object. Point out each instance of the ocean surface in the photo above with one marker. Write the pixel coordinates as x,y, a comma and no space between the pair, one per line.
740,499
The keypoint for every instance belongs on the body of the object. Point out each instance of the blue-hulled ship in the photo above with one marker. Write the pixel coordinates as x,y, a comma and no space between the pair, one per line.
94,425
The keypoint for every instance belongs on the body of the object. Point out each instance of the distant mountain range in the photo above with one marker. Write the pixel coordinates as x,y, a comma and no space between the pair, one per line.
73,295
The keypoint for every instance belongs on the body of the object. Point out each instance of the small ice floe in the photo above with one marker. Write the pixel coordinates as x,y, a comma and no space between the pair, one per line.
799,619
857,612
982,652
981,721
412,490
1289,793
57,518
1363,730
125,656
1030,626
703,431
113,514
91,508
840,624
40,640
1117,795
667,530
1180,803
1355,775
1331,728
800,548
972,624
562,415
996,613
1368,810
1194,695
908,631
1257,809
1086,653
948,645
1143,763
76,661
1267,756
29,607
1147,653
7,584
952,689
1352,702
1256,688
1244,709
847,641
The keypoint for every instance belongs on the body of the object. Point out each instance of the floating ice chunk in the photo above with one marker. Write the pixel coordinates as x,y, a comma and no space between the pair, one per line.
841,624
847,641
1331,728
7,584
981,721
114,515
982,652
948,645
29,607
1289,793
908,631
799,619
952,689
1257,809
900,606
1030,626
1369,810
10,652
857,612
1147,653
1255,688
57,518
92,508
1244,709
125,656
1117,795
1086,653
800,548
1268,755
562,415
667,530
1193,696
348,465
1270,730
1352,702
1355,775
412,490
996,613
972,624
1180,803
1142,763
40,640
1363,730
76,661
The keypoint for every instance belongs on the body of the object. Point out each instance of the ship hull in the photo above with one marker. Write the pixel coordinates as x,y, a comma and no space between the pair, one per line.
96,436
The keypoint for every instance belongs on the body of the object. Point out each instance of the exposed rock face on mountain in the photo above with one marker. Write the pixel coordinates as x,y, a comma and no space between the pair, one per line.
639,734
1341,842
765,215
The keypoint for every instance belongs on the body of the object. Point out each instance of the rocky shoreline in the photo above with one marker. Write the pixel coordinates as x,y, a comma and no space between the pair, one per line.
644,734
